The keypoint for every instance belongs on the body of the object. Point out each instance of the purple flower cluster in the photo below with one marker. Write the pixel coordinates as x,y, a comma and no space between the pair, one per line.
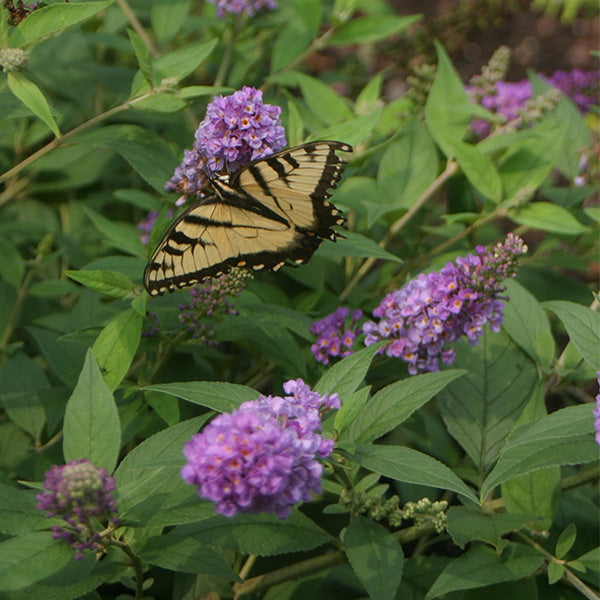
334,334
511,99
419,319
236,7
263,456
146,225
236,130
211,298
597,413
78,492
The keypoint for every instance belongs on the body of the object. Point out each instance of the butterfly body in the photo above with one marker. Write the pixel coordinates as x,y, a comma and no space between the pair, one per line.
272,211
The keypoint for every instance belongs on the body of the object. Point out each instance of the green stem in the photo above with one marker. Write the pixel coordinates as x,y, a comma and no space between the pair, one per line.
60,141
137,27
451,168
137,566
569,576
313,565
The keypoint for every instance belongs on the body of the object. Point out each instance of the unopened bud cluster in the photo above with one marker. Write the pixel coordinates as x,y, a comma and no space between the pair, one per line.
13,59
375,508
425,512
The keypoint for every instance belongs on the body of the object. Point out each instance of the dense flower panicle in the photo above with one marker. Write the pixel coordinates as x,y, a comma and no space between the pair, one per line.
236,7
419,319
210,298
237,129
511,100
78,492
335,337
597,412
263,456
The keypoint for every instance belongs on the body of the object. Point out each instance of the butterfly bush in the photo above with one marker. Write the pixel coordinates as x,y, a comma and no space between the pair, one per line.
78,492
236,7
419,319
510,100
236,130
263,457
334,334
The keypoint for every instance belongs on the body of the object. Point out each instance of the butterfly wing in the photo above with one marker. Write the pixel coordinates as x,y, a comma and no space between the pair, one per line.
274,210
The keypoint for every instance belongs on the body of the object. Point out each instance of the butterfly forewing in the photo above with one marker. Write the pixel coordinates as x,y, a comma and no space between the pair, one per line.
274,210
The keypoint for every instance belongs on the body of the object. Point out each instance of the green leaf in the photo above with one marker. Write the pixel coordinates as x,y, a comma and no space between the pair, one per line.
322,100
168,17
32,97
183,61
31,557
185,555
527,324
591,560
407,168
466,525
371,28
482,407
345,376
91,427
12,266
565,541
555,572
375,556
583,326
64,357
165,102
480,566
448,110
47,21
264,535
153,466
356,244
406,464
148,153
547,217
350,408
478,169
18,512
528,163
217,395
353,131
121,235
21,384
163,406
142,54
536,493
4,18
109,283
116,345
396,402
289,44
561,438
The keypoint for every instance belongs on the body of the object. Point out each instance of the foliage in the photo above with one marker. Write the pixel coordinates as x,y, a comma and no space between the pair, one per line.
97,107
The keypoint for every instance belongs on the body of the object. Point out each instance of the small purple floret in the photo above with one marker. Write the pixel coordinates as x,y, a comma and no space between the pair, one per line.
263,456
335,337
419,319
236,7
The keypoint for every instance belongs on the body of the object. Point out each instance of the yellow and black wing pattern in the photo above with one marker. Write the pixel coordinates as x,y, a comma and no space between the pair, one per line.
272,211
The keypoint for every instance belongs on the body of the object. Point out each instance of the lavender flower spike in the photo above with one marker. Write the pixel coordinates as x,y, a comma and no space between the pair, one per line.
236,7
76,492
237,129
419,319
334,337
263,456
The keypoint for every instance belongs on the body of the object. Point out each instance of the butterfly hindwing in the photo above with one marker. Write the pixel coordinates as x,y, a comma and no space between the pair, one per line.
272,211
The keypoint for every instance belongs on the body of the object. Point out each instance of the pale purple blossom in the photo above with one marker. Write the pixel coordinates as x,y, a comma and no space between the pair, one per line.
236,7
335,336
263,457
418,320
79,493
145,226
237,129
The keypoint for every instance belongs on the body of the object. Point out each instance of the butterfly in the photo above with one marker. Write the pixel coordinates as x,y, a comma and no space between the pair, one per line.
274,210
